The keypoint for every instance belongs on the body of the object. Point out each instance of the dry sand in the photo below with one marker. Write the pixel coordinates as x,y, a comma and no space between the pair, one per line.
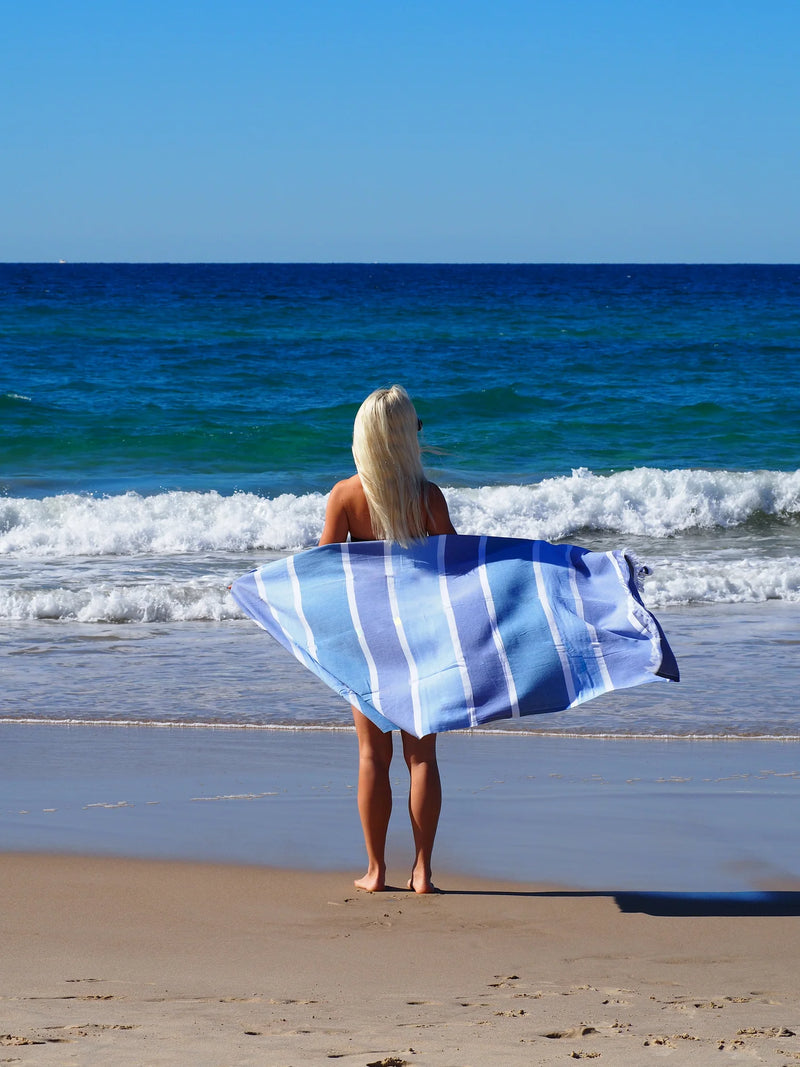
118,961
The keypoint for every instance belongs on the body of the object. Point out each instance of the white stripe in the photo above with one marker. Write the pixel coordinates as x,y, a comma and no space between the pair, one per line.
513,699
451,623
596,648
298,606
299,653
356,620
554,631
401,635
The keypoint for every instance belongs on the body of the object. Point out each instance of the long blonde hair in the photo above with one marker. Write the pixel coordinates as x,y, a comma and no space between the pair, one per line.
387,456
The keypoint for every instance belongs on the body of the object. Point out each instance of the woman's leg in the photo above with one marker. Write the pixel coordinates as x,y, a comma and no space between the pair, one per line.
374,797
424,805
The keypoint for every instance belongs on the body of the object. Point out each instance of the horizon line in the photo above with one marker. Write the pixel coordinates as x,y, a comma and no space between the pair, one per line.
388,263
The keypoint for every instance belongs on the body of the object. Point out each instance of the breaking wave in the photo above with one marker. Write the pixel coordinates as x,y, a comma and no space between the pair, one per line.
641,502
170,557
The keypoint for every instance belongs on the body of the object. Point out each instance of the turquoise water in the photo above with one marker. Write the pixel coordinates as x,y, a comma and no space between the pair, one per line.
166,427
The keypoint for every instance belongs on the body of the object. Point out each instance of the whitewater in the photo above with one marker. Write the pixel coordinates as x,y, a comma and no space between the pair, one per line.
707,537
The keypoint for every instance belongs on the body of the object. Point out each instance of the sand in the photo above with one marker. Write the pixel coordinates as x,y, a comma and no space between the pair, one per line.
643,904
113,961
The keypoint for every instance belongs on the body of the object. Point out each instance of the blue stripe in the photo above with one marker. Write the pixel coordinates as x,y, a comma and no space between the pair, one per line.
524,628
374,609
486,674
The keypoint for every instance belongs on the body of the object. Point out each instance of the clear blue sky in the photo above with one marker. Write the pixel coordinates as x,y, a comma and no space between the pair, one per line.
400,130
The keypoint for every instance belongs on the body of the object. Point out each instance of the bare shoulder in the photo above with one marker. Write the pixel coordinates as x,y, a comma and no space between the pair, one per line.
347,488
345,512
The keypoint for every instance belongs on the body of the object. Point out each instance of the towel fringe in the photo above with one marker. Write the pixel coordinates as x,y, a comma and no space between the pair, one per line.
639,571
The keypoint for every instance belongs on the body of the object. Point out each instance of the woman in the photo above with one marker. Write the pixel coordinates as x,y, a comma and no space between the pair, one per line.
390,499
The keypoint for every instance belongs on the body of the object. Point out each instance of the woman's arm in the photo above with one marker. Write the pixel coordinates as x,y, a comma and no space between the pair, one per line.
337,524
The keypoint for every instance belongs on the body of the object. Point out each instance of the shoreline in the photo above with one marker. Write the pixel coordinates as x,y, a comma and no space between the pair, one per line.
334,728
737,662
605,814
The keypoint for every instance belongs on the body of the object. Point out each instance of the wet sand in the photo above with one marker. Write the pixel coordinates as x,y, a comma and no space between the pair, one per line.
624,901
617,814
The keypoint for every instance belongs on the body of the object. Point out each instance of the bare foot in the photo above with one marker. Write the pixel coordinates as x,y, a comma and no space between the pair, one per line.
421,884
371,883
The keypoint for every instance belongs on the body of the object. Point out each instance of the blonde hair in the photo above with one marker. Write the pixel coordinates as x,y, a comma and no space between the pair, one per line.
387,456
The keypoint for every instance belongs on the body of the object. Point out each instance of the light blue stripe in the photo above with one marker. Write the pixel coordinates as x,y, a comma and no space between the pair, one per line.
413,673
544,591
255,592
298,606
275,590
598,679
320,575
639,617
355,619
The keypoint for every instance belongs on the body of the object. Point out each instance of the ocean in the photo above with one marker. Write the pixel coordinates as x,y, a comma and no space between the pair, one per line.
167,427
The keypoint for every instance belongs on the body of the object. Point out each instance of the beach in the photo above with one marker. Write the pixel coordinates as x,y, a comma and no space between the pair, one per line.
175,895
178,824
133,962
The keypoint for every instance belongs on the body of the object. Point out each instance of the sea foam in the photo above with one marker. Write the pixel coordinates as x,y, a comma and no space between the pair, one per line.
710,537
672,582
641,502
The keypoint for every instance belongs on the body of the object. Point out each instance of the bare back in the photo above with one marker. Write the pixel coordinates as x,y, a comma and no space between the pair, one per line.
347,513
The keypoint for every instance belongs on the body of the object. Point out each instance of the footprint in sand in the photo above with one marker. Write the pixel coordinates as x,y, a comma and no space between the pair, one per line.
770,1031
87,1029
575,1031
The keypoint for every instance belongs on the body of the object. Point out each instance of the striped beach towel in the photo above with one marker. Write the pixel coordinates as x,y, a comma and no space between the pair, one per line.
458,630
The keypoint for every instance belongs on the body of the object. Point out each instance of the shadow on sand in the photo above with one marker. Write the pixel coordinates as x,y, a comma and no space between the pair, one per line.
754,903
749,903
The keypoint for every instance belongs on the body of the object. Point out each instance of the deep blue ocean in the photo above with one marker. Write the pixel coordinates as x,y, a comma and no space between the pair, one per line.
166,427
